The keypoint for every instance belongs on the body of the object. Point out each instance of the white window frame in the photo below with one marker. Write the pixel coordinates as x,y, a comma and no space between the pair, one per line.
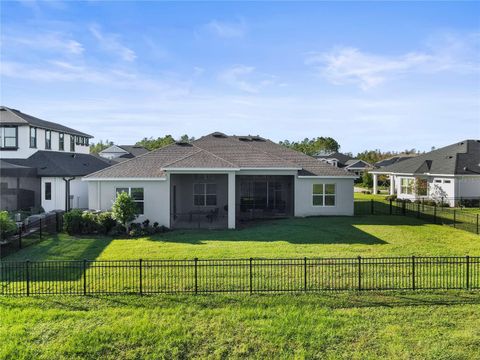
323,195
2,137
130,194
412,186
48,139
205,194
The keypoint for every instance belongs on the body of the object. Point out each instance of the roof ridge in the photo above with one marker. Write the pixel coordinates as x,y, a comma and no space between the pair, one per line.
219,157
182,158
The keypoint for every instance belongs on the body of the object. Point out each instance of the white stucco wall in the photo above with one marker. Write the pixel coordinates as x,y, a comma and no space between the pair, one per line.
101,196
304,197
78,189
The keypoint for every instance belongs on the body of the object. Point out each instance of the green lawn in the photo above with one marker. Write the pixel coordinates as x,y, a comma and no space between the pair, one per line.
311,237
324,326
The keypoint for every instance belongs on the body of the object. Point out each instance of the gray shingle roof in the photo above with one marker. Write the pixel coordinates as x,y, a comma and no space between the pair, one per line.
54,163
342,158
462,158
392,160
15,117
135,150
222,152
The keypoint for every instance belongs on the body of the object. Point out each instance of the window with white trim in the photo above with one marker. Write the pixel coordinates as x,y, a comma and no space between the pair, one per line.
204,194
33,137
324,195
8,137
48,139
61,141
136,194
406,186
48,191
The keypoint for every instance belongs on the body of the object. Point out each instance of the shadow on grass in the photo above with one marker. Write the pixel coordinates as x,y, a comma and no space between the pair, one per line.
312,230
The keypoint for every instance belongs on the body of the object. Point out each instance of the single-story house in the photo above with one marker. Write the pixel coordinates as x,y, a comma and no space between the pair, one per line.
447,174
219,180
121,152
356,166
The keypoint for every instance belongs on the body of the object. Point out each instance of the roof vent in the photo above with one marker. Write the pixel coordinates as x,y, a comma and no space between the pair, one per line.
183,143
257,138
219,135
245,138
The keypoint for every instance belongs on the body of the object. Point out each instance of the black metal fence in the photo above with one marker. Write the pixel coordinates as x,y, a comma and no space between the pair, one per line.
32,232
196,276
457,218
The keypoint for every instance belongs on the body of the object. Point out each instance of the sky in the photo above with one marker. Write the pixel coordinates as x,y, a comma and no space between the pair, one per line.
374,75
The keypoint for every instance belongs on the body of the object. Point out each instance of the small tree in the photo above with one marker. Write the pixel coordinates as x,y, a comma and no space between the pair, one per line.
367,179
124,209
7,225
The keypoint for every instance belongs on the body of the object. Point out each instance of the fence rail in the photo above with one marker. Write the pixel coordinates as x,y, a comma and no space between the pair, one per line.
456,218
196,276
30,233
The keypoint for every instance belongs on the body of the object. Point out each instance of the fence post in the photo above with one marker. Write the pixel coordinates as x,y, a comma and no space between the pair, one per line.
477,223
40,228
413,272
371,207
467,272
251,277
196,274
403,207
57,227
140,276
435,213
454,218
391,206
305,274
27,274
418,210
84,277
359,273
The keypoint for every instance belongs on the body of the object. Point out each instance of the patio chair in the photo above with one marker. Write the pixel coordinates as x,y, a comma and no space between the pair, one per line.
213,215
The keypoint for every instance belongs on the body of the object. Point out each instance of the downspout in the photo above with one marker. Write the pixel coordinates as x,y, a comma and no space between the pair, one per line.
67,193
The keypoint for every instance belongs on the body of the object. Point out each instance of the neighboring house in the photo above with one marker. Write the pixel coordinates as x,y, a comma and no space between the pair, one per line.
448,173
219,180
356,166
42,163
122,152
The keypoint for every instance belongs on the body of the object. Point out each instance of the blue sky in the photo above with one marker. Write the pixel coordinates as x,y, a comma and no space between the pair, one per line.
372,75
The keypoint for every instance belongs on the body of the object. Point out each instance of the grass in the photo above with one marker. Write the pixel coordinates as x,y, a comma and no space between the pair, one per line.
323,326
311,237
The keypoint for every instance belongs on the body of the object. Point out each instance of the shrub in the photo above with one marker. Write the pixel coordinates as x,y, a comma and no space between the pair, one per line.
367,179
73,222
391,197
124,209
117,230
106,221
7,225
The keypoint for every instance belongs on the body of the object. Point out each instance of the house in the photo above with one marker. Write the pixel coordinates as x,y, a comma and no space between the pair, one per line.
219,181
356,166
122,152
445,174
42,163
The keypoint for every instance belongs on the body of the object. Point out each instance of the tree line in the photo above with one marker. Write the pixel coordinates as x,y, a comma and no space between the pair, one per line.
313,146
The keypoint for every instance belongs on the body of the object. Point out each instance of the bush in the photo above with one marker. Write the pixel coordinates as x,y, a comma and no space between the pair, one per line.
124,209
391,197
367,179
7,225
106,221
73,222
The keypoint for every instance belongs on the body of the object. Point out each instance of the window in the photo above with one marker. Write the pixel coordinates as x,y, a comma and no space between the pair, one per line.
82,140
446,181
8,137
86,141
438,181
48,139
323,195
77,141
61,141
33,137
205,194
137,196
406,186
48,191
72,143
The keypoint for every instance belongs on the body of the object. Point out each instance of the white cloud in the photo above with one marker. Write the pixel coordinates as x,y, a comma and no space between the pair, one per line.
227,29
245,78
111,43
45,41
344,65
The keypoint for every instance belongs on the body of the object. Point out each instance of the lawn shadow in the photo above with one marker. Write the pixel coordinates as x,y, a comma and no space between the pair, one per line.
311,230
